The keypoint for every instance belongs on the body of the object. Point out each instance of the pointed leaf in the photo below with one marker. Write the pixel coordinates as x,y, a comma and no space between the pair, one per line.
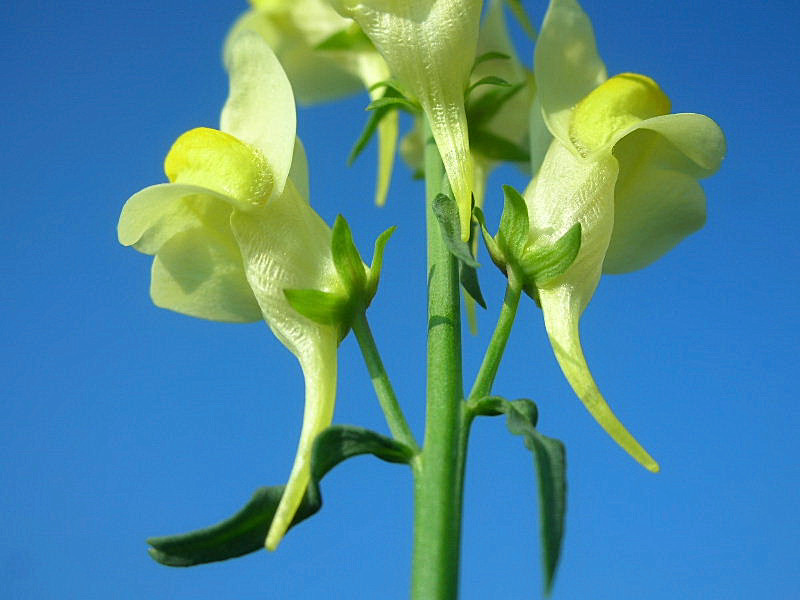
550,457
498,148
446,211
394,103
468,277
489,56
245,531
241,534
481,110
375,117
340,442
488,80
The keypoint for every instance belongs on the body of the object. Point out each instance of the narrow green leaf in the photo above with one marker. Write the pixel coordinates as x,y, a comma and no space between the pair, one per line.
245,531
374,119
496,147
377,262
551,473
512,235
542,265
346,258
349,39
489,56
522,17
468,276
395,87
489,406
480,110
551,469
241,534
321,307
488,80
446,211
394,103
340,442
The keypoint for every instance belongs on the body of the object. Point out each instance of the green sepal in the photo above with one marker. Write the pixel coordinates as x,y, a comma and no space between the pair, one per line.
488,80
321,307
491,245
446,212
542,265
377,263
486,56
393,102
351,38
512,236
347,259
551,473
245,531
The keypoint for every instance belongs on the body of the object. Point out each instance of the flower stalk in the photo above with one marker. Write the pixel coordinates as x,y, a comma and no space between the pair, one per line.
439,478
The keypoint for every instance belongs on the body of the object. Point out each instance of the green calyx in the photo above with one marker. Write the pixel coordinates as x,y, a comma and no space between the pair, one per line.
526,262
359,283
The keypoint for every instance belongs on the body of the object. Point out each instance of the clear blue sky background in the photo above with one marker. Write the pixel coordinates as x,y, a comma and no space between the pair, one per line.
121,420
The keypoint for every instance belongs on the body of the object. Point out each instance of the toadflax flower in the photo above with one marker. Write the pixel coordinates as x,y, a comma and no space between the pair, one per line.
429,46
325,56
621,166
233,229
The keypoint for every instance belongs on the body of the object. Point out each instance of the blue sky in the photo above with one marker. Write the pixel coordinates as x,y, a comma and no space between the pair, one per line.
123,421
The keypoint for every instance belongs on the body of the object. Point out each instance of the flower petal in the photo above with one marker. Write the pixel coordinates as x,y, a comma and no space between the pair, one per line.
199,273
698,138
287,246
293,29
260,106
561,316
658,201
218,161
571,190
298,174
429,46
319,371
153,215
566,64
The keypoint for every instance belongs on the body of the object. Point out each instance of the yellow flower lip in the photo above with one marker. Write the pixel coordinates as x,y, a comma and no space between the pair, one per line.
221,162
614,106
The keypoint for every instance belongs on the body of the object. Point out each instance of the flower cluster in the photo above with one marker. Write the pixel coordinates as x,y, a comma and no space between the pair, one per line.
233,233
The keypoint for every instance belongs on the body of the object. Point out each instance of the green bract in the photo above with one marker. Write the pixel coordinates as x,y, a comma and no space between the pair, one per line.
325,56
233,229
619,165
429,46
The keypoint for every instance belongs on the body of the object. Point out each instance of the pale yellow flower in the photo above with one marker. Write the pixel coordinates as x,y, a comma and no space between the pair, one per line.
233,229
621,166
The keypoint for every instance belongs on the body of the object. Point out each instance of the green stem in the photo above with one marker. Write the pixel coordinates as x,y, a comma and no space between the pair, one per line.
380,381
438,478
497,345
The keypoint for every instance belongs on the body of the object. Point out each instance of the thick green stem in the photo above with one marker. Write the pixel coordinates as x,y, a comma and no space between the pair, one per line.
497,345
383,387
438,478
